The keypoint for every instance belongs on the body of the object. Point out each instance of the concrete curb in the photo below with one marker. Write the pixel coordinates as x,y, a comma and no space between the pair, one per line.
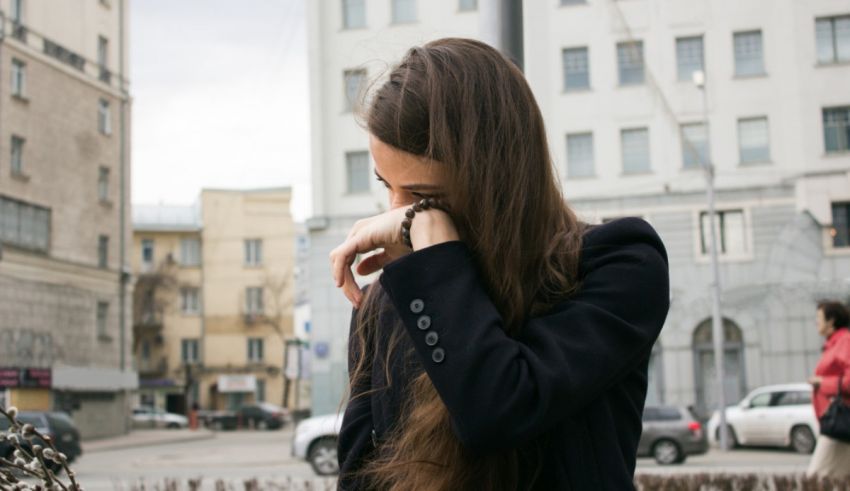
105,445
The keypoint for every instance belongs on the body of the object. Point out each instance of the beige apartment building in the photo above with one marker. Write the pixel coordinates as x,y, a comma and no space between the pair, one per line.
64,214
214,299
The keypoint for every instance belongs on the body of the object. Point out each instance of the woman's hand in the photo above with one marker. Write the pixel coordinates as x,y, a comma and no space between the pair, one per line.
384,231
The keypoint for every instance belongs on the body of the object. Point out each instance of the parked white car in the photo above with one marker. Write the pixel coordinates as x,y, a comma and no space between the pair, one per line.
150,417
774,415
315,441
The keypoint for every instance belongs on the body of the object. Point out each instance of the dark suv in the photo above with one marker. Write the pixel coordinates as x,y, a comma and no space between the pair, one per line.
58,425
262,416
670,434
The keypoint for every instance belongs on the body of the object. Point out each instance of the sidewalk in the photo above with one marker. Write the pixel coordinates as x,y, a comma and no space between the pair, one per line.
144,438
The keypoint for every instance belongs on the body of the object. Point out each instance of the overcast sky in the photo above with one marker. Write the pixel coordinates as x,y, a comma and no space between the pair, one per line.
220,98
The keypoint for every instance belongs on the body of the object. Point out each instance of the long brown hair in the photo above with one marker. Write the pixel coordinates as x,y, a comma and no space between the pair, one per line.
464,105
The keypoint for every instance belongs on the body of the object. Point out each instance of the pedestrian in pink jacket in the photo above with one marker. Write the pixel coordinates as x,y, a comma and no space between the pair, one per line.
831,457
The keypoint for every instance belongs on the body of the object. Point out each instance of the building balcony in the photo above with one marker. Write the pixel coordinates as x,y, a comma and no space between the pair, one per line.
149,320
154,367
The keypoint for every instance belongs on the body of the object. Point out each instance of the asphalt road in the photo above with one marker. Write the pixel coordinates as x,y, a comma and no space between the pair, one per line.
235,457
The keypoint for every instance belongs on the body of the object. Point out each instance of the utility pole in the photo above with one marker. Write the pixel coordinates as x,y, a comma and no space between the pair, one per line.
716,319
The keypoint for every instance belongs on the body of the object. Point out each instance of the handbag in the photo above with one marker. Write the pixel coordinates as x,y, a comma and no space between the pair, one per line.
835,422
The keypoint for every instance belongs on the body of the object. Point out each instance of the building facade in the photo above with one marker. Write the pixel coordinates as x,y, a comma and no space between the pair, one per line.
630,131
65,295
214,300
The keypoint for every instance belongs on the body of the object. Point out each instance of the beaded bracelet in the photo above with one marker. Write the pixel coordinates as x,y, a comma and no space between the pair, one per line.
423,204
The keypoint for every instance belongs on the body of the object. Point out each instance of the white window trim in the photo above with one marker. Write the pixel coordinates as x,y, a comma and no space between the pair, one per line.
701,258
21,90
104,111
249,310
252,350
185,307
753,163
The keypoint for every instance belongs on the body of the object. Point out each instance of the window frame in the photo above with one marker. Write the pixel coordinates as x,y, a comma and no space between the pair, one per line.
684,150
253,252
833,231
679,51
254,301
103,251
648,169
394,13
736,36
835,60
703,256
566,87
256,350
16,155
19,78
351,104
189,346
767,158
621,58
190,300
104,117
842,138
190,262
346,25
592,174
367,179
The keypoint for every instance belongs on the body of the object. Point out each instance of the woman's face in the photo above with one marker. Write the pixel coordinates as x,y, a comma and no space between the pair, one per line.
407,177
825,327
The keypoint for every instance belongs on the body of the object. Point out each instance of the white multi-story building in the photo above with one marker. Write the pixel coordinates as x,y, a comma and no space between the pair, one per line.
629,131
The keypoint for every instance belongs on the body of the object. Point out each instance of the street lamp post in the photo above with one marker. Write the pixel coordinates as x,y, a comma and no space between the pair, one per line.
716,319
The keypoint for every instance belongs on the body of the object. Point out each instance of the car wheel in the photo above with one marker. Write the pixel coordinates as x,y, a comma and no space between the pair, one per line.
323,457
667,452
802,439
262,425
730,436
172,426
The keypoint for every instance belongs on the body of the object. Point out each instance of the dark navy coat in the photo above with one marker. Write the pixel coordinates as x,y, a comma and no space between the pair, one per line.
573,381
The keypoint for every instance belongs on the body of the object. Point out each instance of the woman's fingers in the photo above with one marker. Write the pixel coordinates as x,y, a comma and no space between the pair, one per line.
351,290
373,263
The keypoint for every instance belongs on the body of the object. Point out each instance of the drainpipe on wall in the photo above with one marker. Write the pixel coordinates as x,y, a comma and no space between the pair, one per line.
124,274
122,137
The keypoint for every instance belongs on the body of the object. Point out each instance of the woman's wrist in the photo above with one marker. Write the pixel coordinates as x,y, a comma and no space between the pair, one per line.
431,227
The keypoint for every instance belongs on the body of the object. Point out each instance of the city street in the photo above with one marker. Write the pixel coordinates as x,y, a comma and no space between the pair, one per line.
231,456
237,456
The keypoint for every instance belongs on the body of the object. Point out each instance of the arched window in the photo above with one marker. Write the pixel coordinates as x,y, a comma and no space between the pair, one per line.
734,385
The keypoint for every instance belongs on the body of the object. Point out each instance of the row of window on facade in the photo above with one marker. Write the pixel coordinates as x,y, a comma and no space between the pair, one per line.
190,252
190,350
832,37
401,11
19,90
19,32
753,144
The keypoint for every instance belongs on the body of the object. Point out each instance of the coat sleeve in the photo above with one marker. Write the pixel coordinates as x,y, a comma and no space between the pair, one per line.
502,392
829,384
355,435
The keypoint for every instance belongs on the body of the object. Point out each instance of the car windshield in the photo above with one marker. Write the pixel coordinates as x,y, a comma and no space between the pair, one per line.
34,419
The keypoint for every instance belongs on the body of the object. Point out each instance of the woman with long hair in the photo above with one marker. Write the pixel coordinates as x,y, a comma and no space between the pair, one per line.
506,343
832,377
